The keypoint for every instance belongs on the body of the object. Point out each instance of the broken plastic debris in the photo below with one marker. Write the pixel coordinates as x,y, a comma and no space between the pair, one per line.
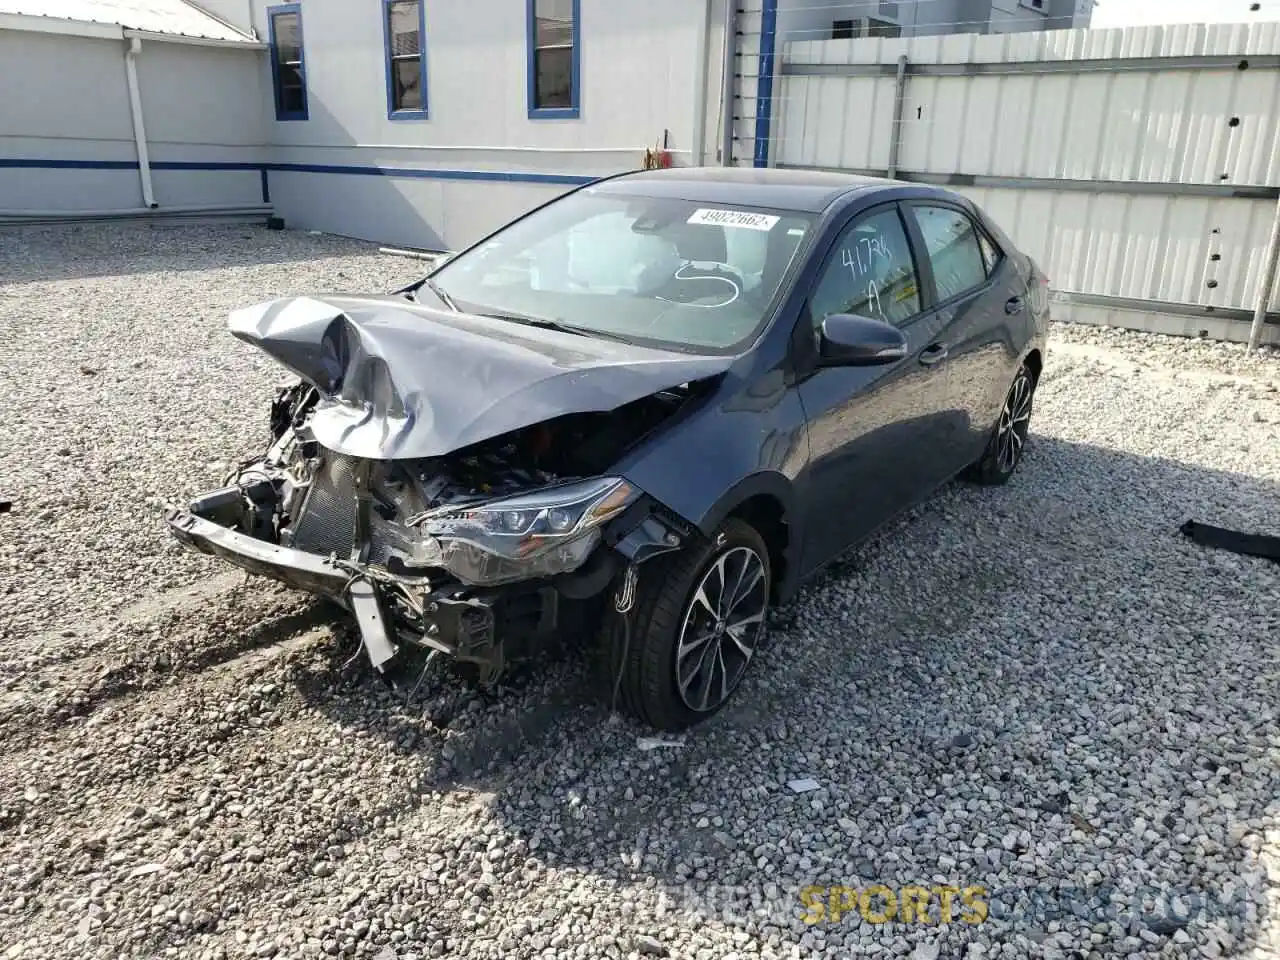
803,785
653,743
145,869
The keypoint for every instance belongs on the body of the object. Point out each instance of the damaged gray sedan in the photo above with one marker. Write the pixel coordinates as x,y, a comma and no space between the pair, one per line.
652,406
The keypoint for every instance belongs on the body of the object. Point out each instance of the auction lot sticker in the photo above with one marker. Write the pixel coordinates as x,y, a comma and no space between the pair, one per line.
734,218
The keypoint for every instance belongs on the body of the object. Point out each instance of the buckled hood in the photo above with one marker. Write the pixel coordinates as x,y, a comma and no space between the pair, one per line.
399,380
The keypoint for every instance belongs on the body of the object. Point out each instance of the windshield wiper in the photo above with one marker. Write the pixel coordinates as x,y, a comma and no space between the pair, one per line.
439,291
545,323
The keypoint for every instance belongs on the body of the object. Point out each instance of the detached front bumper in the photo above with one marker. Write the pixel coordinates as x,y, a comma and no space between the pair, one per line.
483,626
304,571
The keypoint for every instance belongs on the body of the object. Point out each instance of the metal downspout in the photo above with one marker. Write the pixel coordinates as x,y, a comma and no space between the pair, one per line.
139,131
727,86
764,82
699,142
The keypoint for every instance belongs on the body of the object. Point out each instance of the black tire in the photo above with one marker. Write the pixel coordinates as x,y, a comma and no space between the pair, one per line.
1009,435
641,649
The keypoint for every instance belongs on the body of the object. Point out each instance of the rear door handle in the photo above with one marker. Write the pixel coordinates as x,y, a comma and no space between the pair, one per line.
1013,305
933,355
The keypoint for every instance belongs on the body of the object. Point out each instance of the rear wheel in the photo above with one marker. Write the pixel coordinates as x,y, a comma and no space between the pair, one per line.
1009,438
697,623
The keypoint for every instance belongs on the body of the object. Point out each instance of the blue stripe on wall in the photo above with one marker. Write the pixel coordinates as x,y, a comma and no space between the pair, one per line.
420,173
30,163
764,81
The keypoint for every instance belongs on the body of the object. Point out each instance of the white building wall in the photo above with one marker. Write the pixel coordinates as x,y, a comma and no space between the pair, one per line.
66,131
205,105
640,69
46,114
812,19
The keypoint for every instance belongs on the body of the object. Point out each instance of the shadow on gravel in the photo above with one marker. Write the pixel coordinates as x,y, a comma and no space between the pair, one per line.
1042,690
140,670
79,251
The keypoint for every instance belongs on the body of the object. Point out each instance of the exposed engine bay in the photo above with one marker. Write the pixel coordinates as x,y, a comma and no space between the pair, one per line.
464,553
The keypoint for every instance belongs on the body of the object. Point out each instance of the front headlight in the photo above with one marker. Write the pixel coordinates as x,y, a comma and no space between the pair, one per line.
538,534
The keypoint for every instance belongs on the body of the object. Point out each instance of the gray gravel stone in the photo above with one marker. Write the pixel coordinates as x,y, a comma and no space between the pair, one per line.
1040,697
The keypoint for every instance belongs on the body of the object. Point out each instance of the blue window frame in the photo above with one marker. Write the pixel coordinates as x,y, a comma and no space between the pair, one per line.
288,64
404,29
555,59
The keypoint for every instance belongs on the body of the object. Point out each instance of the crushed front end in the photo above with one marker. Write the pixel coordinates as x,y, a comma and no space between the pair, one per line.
475,554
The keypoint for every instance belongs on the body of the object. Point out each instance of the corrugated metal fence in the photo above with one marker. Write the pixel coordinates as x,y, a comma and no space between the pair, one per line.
1140,167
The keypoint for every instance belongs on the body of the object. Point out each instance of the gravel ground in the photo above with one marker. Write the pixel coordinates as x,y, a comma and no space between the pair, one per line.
1040,691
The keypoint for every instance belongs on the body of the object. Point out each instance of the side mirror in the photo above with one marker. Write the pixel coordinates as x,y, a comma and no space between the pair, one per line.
847,340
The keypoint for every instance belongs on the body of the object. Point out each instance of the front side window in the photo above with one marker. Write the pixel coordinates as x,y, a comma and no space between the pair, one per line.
870,273
554,70
406,59
288,64
951,243
674,273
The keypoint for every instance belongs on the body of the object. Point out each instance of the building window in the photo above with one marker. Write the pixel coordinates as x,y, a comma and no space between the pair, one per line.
554,59
844,29
882,28
288,63
405,33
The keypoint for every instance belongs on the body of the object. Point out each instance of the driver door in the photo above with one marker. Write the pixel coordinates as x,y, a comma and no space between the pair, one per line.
878,435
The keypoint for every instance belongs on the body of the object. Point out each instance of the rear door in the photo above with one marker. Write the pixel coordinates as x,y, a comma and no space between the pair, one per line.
875,433
978,292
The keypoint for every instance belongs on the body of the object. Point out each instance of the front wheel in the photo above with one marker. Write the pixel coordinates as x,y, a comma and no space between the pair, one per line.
1009,438
697,623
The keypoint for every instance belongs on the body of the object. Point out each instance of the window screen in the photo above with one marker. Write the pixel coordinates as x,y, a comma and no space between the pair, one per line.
870,274
288,69
555,34
405,67
953,249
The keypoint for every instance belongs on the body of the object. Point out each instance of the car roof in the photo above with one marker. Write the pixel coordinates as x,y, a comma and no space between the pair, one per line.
811,191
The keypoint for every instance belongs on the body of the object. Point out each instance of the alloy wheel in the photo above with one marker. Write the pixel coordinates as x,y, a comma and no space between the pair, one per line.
721,629
1015,421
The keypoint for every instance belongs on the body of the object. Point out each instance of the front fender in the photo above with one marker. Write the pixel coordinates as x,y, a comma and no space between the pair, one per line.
743,442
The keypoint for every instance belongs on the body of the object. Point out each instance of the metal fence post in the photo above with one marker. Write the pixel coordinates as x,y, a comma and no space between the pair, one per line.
1268,282
899,100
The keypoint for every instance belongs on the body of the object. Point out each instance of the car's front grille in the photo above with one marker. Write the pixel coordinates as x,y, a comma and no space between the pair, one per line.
328,520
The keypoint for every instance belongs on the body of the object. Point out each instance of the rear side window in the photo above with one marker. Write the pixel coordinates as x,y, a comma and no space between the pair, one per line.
870,273
990,253
955,252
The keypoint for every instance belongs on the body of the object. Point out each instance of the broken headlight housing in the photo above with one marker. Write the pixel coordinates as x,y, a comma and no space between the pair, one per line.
540,534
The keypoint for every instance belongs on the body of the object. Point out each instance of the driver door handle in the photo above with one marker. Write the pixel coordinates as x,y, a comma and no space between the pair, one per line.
933,355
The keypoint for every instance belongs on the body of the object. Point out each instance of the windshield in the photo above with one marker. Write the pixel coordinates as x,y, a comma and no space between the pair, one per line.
694,276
